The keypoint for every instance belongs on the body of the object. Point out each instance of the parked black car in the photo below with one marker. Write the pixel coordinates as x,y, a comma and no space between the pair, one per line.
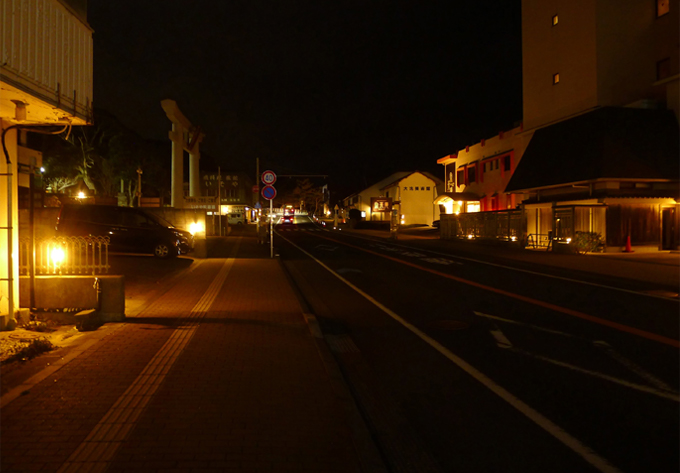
129,229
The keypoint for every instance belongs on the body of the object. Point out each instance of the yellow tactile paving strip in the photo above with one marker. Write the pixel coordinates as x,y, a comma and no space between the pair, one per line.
100,446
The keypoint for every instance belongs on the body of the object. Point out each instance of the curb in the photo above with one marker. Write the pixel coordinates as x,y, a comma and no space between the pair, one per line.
367,451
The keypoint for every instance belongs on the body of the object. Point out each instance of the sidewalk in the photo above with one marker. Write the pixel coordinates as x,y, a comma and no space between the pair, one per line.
650,271
220,373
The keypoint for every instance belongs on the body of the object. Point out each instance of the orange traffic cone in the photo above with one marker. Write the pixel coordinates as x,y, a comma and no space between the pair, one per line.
628,249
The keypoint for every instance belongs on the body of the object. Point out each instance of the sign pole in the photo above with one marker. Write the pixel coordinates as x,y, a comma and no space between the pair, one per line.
271,228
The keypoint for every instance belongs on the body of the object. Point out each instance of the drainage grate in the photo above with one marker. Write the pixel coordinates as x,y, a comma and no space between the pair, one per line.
342,344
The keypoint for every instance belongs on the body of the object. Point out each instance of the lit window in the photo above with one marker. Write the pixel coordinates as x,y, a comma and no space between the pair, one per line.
556,78
555,20
662,7
663,69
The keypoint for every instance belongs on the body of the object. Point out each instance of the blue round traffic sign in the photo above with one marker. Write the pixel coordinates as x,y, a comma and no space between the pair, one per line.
268,192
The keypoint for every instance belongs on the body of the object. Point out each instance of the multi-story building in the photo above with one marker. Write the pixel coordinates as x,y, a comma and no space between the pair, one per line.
598,149
477,175
45,79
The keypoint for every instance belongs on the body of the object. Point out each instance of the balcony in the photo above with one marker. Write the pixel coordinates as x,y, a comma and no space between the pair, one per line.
45,62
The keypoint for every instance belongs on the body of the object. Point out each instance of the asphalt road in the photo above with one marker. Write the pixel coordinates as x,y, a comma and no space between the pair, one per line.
461,365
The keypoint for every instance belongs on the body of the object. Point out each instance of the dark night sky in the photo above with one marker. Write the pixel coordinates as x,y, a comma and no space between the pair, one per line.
352,88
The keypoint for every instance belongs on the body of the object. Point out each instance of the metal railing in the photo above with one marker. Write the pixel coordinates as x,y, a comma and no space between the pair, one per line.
65,255
539,241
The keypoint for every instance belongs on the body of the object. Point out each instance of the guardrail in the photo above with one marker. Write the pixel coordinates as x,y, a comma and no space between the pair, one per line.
65,255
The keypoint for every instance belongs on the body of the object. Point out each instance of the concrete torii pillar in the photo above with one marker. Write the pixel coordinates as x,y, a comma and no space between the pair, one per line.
184,137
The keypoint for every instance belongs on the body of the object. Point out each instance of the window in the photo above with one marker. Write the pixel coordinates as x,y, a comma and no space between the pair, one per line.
555,20
556,78
410,188
417,188
663,69
662,7
472,177
460,177
428,188
506,163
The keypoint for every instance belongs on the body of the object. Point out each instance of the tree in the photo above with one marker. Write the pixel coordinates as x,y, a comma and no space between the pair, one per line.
309,196
103,155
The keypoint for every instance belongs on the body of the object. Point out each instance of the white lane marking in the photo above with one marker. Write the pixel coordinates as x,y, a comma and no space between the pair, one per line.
524,324
440,261
501,340
634,367
539,419
326,247
536,273
100,446
639,387
662,390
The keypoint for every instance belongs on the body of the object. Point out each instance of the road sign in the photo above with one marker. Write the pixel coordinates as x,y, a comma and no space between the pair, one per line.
256,188
268,177
268,192
258,206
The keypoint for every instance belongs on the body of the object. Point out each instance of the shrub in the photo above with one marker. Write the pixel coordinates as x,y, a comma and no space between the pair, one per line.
587,242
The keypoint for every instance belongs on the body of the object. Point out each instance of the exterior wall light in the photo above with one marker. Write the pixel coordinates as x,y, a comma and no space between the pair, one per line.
196,227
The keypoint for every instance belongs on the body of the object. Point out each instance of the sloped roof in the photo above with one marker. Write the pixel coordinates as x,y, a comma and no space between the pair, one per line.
610,142
396,180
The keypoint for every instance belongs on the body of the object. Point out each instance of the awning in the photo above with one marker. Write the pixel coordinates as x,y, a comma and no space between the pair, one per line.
456,197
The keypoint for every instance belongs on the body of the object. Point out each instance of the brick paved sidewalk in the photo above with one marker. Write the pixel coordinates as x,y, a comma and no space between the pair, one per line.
219,374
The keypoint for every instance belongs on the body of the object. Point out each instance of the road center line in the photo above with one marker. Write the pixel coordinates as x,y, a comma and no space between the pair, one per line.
539,419
546,305
511,268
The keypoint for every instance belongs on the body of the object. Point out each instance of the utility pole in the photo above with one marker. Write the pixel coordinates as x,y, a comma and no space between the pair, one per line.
257,183
219,198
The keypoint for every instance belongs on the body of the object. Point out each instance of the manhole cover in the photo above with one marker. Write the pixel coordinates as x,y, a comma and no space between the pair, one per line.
448,325
26,336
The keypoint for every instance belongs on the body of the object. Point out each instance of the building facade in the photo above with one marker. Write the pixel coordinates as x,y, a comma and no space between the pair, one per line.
477,175
598,150
409,193
45,80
